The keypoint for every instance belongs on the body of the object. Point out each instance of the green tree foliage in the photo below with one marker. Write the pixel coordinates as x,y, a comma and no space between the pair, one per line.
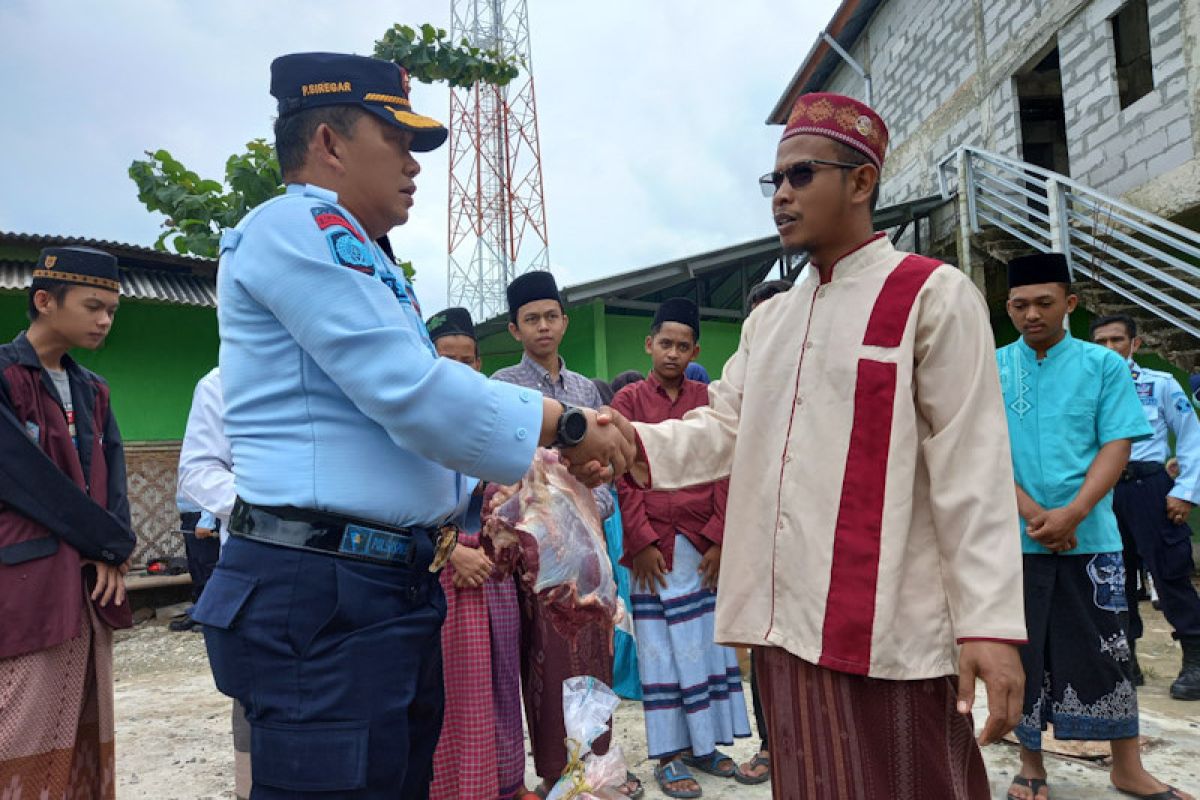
197,210
429,57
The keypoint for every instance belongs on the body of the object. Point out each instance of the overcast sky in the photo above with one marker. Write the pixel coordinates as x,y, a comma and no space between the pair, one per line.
651,114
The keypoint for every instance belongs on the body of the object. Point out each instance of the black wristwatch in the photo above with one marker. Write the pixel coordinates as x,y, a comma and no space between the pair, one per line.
572,427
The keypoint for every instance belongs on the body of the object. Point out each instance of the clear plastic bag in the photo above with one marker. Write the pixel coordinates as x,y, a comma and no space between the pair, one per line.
588,706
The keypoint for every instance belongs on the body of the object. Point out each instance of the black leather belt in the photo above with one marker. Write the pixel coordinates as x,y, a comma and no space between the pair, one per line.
1135,470
346,537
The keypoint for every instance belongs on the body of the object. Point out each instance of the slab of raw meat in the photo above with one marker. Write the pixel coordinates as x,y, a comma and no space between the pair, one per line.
551,535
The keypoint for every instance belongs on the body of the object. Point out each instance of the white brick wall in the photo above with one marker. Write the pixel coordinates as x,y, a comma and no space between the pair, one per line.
1115,150
937,91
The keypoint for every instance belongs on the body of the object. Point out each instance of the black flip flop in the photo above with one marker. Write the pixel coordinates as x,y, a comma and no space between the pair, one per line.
1033,784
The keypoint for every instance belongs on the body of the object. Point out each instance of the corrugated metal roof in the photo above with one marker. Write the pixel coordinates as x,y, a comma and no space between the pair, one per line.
180,288
146,273
122,250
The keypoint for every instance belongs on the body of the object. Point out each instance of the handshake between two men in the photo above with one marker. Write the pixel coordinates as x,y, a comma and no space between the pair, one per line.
607,451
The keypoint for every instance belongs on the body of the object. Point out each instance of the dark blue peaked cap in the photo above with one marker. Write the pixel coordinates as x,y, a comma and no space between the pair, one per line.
301,81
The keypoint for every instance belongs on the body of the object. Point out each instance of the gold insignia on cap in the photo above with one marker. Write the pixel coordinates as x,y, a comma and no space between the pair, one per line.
51,261
376,97
863,125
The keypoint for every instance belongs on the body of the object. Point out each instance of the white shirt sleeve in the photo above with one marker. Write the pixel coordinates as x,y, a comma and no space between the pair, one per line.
205,459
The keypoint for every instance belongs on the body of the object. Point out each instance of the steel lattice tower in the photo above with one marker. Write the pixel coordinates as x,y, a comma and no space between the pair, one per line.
497,224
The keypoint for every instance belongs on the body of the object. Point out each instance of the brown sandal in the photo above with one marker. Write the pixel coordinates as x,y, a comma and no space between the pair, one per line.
759,760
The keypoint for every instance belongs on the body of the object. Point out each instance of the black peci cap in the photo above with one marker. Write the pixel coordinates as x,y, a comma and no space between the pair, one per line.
531,287
1038,268
85,266
681,310
451,322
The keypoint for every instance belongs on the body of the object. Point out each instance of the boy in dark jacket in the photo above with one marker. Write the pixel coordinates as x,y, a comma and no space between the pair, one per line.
65,536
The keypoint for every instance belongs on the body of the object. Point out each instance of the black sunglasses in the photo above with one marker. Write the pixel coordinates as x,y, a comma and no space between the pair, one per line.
798,175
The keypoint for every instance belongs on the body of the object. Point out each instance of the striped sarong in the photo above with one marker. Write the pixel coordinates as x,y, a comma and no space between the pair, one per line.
836,736
691,686
481,752
56,719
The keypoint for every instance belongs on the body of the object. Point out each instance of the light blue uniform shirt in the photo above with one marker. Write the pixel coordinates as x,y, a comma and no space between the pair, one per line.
1168,410
1061,411
335,399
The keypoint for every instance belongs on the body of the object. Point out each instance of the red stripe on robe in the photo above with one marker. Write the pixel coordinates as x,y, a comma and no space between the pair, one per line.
854,573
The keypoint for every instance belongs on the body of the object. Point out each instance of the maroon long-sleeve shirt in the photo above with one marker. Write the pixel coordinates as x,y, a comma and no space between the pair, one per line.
653,517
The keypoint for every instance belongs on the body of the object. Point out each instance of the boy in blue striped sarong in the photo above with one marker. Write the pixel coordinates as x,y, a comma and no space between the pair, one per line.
691,686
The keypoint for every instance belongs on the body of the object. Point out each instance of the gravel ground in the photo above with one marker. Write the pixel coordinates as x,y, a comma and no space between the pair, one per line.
173,727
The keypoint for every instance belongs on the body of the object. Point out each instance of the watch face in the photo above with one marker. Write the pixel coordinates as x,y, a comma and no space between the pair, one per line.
575,425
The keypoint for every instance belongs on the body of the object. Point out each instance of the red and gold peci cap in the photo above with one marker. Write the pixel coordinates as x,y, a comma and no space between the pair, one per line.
841,118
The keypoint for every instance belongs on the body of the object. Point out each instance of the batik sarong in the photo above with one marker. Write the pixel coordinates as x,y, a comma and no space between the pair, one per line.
56,719
1077,662
691,686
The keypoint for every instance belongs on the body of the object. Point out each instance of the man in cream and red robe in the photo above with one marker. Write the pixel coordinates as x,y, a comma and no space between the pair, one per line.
860,421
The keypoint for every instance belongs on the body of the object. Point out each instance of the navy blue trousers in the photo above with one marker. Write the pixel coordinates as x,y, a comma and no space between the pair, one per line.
1164,547
202,554
338,665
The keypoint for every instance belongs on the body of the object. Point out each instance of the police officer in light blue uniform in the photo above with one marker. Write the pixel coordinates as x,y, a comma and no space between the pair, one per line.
350,443
1151,509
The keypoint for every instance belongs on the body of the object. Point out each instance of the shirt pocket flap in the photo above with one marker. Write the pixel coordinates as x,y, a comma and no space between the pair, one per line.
223,597
310,757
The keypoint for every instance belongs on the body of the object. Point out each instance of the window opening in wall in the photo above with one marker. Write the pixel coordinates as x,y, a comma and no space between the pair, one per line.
1043,116
1131,43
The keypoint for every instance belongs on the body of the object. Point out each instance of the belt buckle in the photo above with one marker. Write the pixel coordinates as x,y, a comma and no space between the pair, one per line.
447,540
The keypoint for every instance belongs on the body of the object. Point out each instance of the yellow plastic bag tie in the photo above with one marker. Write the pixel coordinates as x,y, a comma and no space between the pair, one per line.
575,771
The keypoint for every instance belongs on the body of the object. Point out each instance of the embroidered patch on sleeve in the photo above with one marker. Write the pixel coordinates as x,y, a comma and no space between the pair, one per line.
328,217
347,246
348,251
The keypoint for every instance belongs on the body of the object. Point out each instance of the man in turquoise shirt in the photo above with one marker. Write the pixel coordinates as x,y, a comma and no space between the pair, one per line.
1072,416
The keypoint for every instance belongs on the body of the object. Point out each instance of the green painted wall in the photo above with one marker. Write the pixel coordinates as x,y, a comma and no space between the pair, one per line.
152,360
578,347
627,344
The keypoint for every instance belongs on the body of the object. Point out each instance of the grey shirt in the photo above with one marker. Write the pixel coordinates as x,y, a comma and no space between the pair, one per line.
62,384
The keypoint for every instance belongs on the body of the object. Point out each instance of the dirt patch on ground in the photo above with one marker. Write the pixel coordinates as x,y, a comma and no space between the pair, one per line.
173,739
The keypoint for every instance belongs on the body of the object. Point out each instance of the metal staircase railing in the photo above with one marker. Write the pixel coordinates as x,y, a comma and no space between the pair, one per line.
1145,259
